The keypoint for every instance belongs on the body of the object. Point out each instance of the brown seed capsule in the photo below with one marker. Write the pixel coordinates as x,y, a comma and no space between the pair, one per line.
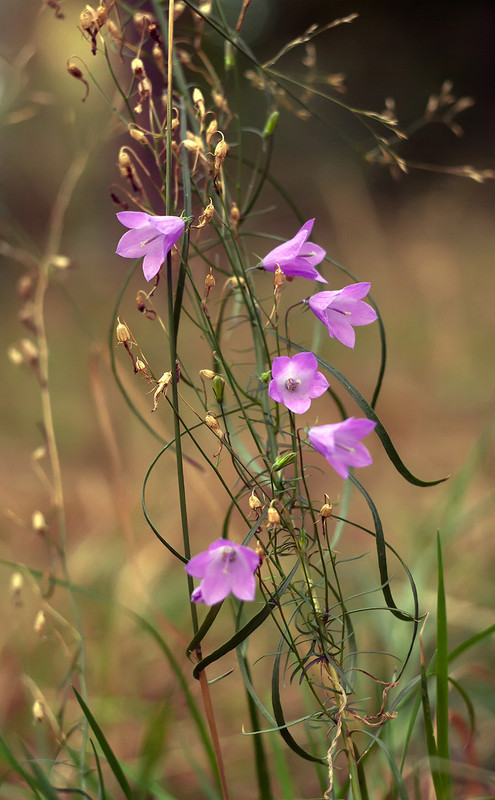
327,508
139,366
278,277
210,281
157,53
137,67
234,215
161,388
207,373
220,154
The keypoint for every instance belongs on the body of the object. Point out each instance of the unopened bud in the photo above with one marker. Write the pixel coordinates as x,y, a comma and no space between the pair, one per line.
284,461
39,625
273,515
122,331
229,56
218,388
38,711
38,523
266,377
271,124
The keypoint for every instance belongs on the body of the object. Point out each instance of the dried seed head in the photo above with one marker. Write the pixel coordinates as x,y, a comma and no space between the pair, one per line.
25,287
87,19
137,67
123,332
327,508
114,32
273,515
142,20
199,104
210,281
15,356
157,53
235,214
220,154
101,16
138,135
207,373
139,366
204,218
278,277
210,130
213,425
254,502
39,625
38,711
260,551
161,388
38,523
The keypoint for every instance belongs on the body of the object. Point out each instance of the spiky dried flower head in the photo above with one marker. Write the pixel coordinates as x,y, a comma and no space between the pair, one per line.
39,625
38,523
38,711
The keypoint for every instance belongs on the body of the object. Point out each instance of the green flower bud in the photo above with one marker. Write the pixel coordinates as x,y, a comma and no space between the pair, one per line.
271,124
218,388
266,377
284,461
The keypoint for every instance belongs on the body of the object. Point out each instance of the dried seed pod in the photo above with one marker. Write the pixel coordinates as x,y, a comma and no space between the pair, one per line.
199,104
207,373
161,388
254,502
25,287
220,154
204,218
157,54
137,67
234,214
327,508
273,515
210,281
29,351
123,332
142,20
278,277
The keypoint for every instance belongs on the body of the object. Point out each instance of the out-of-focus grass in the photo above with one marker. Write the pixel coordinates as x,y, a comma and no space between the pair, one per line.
429,259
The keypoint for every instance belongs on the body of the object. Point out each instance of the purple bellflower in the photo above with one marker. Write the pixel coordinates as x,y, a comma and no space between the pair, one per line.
297,258
296,381
342,309
340,444
225,567
151,237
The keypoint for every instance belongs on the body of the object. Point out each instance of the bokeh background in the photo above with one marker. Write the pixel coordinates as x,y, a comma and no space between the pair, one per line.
425,240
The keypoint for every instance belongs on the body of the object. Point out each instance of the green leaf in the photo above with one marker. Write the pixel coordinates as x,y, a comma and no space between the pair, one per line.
442,679
107,750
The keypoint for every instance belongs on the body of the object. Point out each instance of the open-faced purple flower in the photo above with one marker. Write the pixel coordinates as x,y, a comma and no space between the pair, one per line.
151,237
297,258
296,381
342,309
225,567
340,444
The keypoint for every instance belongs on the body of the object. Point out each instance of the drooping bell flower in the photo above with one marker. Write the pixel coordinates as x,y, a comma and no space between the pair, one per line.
342,309
339,443
297,258
149,236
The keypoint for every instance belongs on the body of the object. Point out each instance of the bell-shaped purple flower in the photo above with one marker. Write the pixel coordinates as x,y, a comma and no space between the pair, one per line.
151,237
341,309
340,444
297,258
225,567
296,381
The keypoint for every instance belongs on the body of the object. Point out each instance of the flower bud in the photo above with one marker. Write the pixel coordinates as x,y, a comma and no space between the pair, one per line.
218,388
271,124
38,523
210,281
284,461
266,377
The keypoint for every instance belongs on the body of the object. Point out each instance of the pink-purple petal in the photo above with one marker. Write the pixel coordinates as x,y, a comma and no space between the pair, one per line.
134,219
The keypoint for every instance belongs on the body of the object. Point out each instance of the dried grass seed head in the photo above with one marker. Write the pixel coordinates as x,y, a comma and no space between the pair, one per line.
38,523
38,711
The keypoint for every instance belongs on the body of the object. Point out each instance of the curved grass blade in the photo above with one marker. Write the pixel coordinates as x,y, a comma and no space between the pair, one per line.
102,795
107,750
279,714
19,769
